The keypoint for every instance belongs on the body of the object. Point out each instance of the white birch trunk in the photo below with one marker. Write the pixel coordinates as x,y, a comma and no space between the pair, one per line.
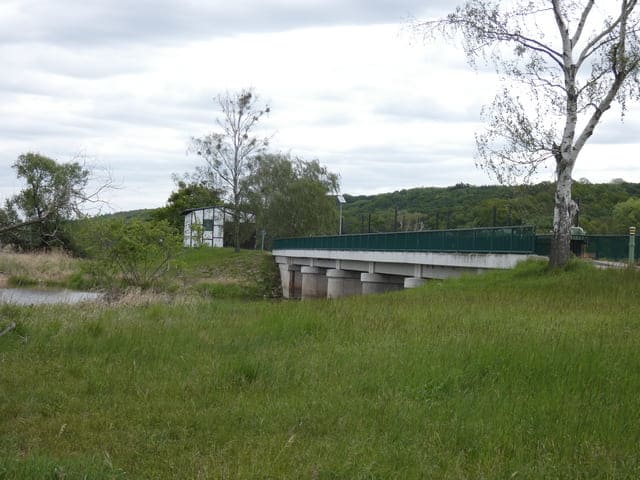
563,213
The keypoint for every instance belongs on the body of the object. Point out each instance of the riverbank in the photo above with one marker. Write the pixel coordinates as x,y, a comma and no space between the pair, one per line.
205,272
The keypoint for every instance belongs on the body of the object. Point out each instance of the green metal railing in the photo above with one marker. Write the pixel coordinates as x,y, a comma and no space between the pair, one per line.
610,247
521,239
604,247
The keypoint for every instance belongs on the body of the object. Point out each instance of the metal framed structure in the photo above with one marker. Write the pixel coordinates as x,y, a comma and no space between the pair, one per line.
204,226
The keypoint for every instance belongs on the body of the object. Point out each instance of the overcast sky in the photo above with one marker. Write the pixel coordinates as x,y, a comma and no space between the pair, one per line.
127,83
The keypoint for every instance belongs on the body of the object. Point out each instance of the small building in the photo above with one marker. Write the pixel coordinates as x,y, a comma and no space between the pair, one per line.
204,227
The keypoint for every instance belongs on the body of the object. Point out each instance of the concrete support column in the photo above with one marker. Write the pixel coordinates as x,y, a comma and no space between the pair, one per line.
314,282
291,280
376,283
412,282
342,283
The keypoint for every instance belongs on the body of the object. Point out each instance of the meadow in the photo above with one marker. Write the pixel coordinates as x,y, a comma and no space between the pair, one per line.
515,374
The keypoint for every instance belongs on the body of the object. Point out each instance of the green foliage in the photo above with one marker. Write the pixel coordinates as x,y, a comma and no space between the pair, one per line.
188,195
21,281
291,197
463,206
53,194
513,374
135,252
223,273
626,214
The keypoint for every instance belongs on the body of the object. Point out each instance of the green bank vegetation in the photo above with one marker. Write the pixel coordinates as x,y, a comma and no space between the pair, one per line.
209,273
517,374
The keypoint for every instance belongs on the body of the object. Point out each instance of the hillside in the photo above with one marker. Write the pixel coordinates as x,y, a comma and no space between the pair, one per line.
466,205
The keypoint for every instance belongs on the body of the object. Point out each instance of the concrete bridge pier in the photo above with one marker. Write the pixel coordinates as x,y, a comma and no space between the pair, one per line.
413,282
417,279
314,282
343,283
377,283
291,280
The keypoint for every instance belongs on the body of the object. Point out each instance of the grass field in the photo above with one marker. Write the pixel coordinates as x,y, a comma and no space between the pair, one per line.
518,374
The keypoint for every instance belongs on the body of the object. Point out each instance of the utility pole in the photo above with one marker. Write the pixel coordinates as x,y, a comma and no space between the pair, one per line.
632,245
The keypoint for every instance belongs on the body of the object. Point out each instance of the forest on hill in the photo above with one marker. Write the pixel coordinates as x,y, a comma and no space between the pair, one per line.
604,207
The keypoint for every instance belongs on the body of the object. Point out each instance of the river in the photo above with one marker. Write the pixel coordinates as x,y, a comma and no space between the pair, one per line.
26,296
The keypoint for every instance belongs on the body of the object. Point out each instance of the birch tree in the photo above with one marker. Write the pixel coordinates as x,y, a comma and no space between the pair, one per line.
563,64
227,152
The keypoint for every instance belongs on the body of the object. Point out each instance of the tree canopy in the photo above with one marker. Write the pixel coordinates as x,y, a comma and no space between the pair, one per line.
188,194
53,193
292,197
464,206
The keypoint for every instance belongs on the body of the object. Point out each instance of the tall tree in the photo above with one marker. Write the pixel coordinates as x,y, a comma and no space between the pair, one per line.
573,58
292,197
228,151
54,192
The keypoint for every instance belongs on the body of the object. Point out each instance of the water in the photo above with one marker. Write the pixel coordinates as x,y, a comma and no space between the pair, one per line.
25,296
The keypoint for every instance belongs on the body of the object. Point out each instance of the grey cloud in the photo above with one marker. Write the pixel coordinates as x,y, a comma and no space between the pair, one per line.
39,127
369,170
79,22
331,120
615,131
425,109
397,170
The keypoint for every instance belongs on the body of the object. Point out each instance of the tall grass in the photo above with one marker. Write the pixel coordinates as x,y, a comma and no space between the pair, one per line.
517,374
44,269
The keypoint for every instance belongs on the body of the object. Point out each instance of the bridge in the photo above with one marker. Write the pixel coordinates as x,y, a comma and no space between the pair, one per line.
341,265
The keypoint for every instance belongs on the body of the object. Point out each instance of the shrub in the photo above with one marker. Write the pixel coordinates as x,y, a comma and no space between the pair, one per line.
136,252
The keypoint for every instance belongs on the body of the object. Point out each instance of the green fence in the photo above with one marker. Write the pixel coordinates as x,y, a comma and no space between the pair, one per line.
474,240
603,247
610,247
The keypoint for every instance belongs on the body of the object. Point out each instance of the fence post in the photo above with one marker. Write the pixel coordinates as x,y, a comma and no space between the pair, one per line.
632,245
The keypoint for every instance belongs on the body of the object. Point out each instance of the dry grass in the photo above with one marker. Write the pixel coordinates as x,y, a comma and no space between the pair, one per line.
135,296
46,268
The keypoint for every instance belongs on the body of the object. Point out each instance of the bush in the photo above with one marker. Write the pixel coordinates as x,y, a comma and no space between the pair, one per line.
135,252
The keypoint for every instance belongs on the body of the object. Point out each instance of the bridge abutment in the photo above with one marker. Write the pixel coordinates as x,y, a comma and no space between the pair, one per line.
291,280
